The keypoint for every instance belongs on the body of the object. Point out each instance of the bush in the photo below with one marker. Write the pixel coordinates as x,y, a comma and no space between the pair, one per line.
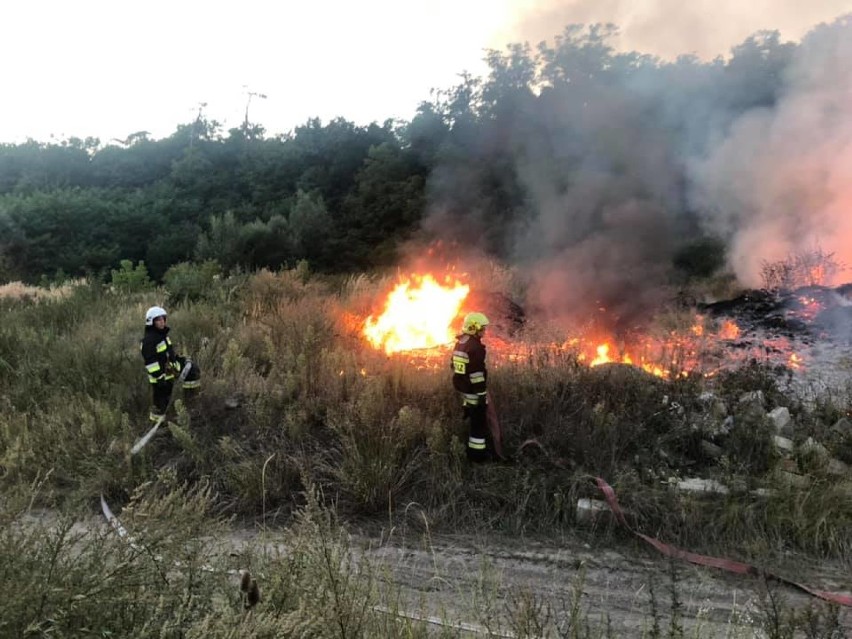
129,279
189,282
806,268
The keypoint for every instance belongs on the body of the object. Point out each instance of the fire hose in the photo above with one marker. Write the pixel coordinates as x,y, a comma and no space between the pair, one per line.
668,550
250,589
494,428
721,563
728,565
140,444
248,585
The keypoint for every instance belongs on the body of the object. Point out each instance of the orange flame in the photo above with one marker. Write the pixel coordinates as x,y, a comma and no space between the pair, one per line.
729,330
602,356
817,275
810,308
419,313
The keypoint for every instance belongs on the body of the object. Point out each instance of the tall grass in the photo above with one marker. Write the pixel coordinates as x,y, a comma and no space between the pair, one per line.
293,396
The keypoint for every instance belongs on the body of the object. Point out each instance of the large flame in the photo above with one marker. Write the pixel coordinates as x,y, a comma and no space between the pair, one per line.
419,313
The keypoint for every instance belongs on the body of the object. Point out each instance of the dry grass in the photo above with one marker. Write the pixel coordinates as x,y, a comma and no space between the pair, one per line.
180,572
24,292
293,398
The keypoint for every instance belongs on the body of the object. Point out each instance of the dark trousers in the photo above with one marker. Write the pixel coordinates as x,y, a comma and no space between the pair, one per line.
162,391
477,447
162,395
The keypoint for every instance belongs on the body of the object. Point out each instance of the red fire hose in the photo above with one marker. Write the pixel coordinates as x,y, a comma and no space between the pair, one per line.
729,565
494,427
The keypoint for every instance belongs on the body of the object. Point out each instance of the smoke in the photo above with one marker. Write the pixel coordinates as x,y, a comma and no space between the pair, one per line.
601,233
780,183
670,28
595,181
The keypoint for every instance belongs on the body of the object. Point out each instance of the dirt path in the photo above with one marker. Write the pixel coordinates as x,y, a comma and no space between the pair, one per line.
493,583
497,586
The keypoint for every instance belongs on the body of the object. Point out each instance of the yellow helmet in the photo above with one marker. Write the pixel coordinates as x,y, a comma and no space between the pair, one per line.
473,323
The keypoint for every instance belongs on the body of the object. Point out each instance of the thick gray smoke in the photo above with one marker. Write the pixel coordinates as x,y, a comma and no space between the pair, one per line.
604,192
670,28
623,160
780,182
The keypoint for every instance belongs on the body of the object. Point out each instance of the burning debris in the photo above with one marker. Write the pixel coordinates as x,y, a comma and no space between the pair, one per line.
421,314
782,326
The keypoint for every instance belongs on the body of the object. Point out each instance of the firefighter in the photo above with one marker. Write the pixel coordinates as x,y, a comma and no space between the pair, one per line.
163,364
469,379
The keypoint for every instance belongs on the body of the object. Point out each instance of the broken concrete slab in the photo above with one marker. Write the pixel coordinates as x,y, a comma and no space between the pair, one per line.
589,510
782,421
783,445
699,485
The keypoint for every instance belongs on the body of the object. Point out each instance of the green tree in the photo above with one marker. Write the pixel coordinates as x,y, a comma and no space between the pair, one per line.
754,76
310,224
186,281
385,208
222,242
266,244
130,279
77,230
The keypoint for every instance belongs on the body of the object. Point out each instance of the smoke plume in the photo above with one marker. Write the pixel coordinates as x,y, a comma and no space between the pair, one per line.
670,28
780,182
597,170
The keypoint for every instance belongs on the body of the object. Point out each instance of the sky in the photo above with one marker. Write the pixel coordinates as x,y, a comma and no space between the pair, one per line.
107,69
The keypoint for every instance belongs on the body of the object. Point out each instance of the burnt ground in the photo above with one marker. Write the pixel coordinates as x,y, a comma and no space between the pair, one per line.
814,322
806,314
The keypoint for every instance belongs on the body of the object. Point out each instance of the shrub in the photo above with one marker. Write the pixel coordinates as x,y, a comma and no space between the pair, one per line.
806,268
130,279
189,282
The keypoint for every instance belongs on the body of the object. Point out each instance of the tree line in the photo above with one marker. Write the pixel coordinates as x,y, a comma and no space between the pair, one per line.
344,196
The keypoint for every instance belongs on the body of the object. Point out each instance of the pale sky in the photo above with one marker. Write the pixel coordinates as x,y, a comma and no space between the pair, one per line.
108,68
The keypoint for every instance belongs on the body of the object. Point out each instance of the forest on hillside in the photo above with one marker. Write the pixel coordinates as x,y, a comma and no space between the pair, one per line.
557,146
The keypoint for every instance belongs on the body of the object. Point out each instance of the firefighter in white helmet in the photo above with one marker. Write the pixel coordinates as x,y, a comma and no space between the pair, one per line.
470,377
163,364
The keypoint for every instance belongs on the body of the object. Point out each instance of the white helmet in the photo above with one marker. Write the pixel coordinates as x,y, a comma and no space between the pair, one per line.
152,313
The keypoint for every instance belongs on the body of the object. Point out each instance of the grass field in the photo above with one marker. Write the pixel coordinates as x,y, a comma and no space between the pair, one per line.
302,426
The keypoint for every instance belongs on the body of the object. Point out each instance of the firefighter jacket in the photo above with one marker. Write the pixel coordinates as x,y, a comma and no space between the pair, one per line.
161,360
469,372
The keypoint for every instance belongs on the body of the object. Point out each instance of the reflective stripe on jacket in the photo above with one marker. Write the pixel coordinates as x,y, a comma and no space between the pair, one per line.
161,360
469,372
